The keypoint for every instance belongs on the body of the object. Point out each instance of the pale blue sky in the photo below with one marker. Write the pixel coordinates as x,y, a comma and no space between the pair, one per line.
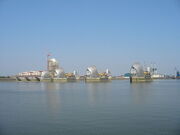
79,33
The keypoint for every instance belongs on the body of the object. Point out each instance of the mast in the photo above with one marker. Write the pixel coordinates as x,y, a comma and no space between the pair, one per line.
48,62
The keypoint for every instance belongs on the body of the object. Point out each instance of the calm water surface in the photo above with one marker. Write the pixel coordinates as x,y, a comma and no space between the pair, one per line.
115,108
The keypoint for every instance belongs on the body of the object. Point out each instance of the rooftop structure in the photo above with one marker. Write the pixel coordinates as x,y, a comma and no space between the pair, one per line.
52,65
92,71
137,70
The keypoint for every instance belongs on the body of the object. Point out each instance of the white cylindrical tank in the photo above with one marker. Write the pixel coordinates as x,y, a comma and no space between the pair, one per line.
75,73
108,72
149,69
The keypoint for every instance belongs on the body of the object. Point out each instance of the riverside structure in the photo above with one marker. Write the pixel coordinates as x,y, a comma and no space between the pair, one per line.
55,73
92,75
138,74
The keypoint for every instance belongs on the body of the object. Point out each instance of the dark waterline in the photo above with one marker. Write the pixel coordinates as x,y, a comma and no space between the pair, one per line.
114,108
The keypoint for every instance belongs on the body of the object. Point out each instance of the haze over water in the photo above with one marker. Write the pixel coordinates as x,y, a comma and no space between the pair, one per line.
117,107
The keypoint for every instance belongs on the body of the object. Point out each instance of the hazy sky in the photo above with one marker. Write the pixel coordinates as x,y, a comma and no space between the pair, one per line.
110,34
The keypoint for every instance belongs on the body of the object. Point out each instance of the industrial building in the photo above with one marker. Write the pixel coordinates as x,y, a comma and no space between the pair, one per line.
177,75
53,73
92,74
139,74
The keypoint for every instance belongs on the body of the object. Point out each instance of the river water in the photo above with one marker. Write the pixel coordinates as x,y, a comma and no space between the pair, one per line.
112,108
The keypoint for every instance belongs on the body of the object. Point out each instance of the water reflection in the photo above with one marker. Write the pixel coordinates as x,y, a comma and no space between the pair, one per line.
51,86
53,100
90,108
97,92
140,92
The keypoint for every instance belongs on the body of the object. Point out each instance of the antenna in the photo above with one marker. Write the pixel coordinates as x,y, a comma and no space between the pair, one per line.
144,66
175,69
48,55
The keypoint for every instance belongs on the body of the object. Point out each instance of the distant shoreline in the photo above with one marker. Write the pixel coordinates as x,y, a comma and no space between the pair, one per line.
9,78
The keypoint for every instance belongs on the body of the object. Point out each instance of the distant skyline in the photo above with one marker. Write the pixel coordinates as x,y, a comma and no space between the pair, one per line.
110,34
